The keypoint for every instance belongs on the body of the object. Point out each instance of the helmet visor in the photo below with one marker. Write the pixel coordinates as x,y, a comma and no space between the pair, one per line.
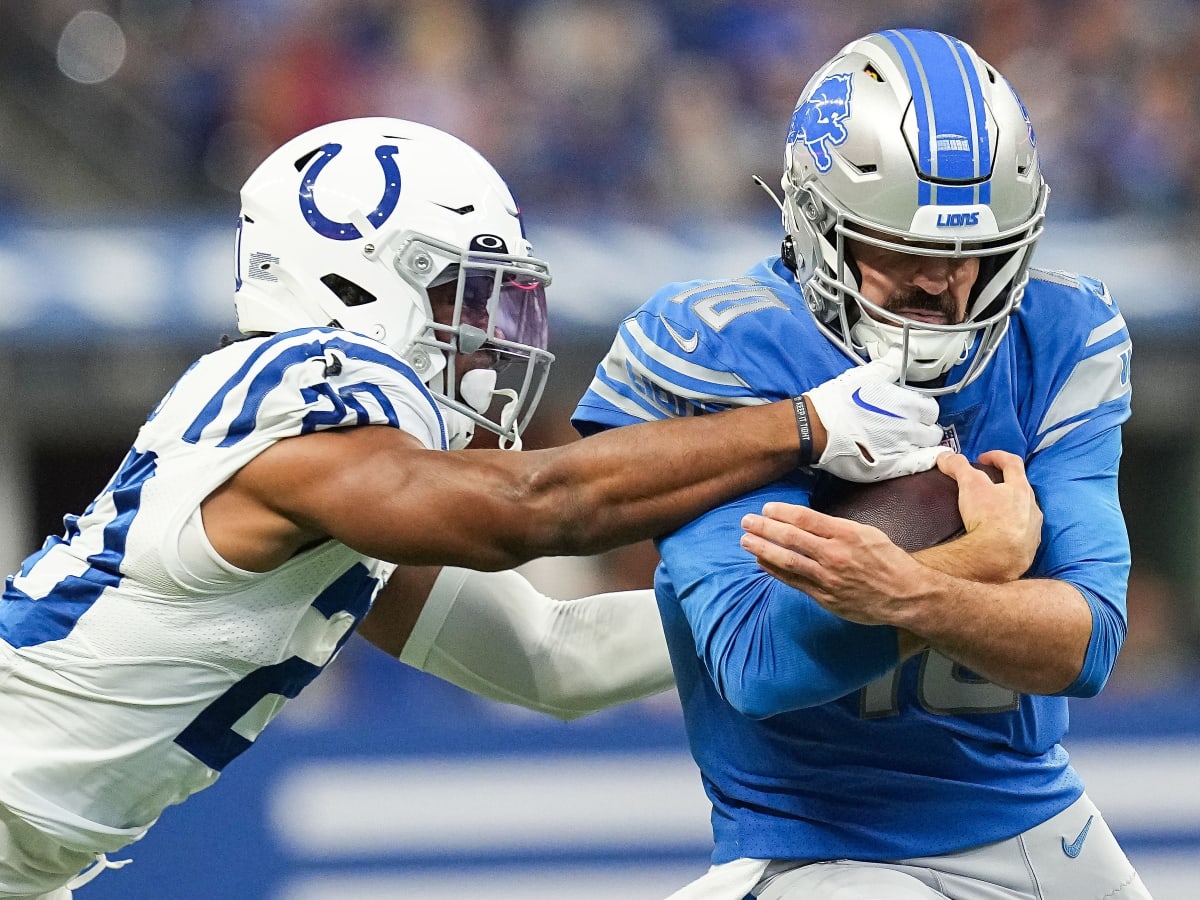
510,306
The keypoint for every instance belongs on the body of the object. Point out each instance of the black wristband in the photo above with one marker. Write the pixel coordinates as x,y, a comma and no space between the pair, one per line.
805,428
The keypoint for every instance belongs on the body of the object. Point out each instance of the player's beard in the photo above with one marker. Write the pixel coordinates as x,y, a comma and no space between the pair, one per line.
915,300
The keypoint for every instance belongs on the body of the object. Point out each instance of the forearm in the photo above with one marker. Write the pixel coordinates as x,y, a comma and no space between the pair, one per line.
496,636
604,491
796,657
1029,635
644,480
377,491
971,558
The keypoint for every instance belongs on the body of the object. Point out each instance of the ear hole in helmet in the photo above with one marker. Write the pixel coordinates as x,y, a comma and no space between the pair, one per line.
346,290
873,72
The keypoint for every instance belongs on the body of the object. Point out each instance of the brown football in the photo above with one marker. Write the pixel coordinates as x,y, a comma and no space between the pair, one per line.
915,511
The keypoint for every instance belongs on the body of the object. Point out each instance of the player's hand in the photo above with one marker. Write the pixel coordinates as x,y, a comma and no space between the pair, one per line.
874,428
852,570
1003,521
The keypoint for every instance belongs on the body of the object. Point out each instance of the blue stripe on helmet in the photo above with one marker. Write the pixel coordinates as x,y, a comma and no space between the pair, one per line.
978,113
952,141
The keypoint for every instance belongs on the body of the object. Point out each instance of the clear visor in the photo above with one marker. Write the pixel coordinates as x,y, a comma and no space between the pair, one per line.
510,307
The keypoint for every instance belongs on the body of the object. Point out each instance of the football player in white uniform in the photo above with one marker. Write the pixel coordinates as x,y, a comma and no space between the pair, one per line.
390,304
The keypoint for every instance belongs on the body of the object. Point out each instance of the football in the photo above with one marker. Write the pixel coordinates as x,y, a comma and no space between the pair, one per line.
914,511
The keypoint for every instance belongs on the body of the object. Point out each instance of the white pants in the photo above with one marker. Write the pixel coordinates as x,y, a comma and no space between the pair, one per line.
1036,865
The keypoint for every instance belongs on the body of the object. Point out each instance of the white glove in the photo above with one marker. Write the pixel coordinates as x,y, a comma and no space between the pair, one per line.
875,428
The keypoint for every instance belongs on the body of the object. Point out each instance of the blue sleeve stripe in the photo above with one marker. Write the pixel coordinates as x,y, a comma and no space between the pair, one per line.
1107,330
26,621
622,397
1094,382
289,349
644,357
1103,417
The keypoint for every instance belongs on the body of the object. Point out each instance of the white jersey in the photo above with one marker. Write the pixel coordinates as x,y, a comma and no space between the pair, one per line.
135,662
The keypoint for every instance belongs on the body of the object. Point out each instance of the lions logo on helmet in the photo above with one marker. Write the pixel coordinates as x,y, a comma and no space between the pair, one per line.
940,162
818,120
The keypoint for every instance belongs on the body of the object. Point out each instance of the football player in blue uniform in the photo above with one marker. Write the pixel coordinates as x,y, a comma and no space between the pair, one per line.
873,724
287,482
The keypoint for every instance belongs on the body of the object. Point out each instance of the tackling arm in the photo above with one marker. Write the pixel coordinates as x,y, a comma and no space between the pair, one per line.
494,634
378,491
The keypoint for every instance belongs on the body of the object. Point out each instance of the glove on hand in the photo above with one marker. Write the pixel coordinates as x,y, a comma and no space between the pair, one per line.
875,428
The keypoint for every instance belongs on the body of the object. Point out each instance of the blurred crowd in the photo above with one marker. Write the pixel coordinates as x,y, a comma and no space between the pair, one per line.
655,111
648,109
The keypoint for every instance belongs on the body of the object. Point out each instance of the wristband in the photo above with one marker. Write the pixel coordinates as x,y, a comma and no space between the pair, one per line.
805,429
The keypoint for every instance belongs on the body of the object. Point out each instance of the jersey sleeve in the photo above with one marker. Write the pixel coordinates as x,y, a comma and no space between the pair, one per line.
1073,469
768,647
299,382
695,348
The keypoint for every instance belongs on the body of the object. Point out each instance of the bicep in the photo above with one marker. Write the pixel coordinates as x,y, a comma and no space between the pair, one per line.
379,491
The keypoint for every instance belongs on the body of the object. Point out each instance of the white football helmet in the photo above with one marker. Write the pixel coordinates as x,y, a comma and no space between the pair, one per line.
908,140
354,223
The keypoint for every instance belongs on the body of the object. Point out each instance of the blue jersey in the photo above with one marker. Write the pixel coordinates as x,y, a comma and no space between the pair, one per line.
812,742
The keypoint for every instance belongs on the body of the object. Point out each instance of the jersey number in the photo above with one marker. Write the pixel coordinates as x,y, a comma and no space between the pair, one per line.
944,688
719,308
213,736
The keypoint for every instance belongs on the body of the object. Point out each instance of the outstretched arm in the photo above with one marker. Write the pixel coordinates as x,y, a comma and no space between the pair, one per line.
494,634
378,491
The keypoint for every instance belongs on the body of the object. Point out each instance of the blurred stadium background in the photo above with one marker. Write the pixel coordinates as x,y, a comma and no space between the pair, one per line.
630,130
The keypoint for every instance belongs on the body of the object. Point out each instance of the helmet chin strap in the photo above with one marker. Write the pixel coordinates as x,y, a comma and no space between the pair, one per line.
929,354
477,388
460,429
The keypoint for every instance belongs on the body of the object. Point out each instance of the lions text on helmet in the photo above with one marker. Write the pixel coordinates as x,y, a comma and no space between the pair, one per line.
913,200
337,230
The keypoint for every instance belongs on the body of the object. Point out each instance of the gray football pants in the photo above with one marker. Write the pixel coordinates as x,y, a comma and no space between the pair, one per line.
1071,856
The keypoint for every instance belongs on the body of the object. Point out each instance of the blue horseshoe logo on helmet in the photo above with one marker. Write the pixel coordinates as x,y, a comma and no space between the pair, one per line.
347,231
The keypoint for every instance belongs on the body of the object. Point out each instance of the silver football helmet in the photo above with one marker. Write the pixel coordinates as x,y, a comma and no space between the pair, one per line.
907,140
405,234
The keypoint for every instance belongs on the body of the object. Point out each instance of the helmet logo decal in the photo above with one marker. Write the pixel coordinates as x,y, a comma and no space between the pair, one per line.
1025,115
488,243
818,121
347,231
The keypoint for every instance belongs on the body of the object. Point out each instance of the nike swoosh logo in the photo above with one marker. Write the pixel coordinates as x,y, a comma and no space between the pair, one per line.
859,401
1074,848
687,345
